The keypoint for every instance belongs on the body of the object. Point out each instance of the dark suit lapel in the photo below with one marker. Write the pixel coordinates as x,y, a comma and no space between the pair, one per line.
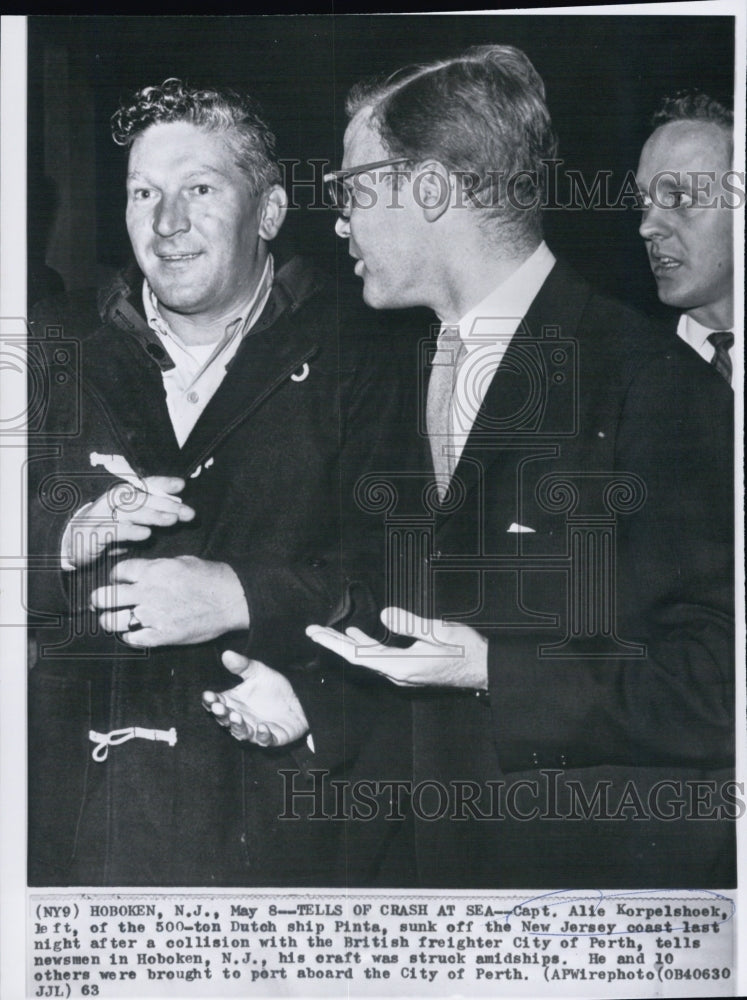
532,394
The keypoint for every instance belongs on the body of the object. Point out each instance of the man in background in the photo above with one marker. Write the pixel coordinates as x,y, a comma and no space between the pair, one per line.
688,203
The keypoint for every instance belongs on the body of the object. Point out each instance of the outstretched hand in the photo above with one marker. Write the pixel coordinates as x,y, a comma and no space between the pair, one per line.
263,709
445,654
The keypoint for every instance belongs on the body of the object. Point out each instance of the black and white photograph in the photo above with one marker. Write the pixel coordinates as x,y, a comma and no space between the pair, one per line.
373,516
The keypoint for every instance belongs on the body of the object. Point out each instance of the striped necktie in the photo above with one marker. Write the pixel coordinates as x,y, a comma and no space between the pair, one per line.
722,341
439,410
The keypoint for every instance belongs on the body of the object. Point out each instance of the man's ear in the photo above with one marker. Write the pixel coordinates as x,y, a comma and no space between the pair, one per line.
272,211
432,189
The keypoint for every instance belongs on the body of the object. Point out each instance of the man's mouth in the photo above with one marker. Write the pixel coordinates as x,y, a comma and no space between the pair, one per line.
662,264
177,258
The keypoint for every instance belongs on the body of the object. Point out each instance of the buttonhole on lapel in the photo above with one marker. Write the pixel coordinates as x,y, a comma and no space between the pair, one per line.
195,474
302,374
156,351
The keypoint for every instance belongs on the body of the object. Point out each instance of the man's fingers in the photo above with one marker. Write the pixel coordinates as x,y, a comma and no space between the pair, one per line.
162,496
159,512
109,598
406,623
142,500
333,641
115,621
219,712
209,698
164,484
240,665
107,531
264,737
355,646
240,727
361,639
227,717
127,571
291,730
144,638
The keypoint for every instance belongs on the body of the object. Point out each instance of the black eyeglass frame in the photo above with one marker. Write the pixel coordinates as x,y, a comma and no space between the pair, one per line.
341,196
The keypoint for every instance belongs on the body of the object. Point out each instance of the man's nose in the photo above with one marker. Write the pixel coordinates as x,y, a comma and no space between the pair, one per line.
171,216
655,222
342,227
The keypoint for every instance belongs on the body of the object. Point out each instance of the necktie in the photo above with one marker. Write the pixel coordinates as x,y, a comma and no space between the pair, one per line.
449,353
722,340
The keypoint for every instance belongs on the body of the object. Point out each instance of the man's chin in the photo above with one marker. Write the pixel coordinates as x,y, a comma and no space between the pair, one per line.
370,297
671,293
179,298
378,298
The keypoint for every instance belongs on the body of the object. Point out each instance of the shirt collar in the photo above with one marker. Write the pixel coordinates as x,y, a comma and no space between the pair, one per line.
244,320
693,332
499,314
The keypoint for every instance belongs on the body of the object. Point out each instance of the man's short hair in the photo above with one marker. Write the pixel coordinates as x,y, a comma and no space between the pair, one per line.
237,116
694,106
483,115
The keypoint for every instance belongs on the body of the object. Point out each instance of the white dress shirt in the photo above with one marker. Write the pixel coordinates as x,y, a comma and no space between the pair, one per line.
486,331
199,369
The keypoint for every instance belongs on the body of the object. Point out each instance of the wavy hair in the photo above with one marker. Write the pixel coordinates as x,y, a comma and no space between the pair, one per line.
237,116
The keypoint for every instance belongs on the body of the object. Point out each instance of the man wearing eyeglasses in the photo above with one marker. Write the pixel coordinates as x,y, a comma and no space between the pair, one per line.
574,644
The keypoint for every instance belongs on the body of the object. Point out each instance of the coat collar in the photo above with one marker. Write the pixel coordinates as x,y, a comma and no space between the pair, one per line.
123,372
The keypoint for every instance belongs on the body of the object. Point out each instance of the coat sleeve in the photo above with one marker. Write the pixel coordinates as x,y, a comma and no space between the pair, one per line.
60,481
674,704
347,584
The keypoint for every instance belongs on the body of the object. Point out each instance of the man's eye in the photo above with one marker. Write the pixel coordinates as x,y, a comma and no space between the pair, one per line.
141,194
642,202
202,189
678,199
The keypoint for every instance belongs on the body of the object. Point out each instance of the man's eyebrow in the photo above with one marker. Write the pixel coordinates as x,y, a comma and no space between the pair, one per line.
206,168
197,172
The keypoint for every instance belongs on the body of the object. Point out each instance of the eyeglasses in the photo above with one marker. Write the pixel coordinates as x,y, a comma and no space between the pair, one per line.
341,194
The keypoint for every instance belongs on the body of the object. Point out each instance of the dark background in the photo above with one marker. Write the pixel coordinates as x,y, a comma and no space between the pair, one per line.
604,77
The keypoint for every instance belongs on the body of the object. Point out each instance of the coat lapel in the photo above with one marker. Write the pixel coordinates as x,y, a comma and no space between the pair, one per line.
531,400
128,389
124,362
265,360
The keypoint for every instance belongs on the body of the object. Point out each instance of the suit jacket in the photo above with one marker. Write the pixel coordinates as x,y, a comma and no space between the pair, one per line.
589,537
308,403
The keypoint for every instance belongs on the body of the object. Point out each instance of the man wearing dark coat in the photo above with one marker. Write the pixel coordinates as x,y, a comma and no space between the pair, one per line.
688,200
192,510
574,650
